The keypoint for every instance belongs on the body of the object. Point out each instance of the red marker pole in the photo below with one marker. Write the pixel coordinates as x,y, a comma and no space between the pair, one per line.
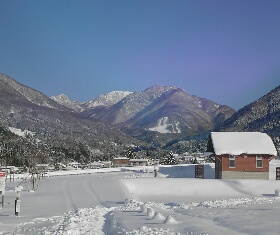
2,186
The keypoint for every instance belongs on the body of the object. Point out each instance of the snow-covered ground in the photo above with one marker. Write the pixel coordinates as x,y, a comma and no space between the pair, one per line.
132,201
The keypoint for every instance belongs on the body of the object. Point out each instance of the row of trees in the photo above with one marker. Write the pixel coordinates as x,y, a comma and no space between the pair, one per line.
28,151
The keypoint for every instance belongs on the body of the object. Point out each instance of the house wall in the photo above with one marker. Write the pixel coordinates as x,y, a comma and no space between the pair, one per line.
244,175
121,162
218,168
245,164
245,168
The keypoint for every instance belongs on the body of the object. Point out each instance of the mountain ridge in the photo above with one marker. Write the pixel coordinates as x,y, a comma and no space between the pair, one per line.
155,115
262,115
58,126
25,93
146,108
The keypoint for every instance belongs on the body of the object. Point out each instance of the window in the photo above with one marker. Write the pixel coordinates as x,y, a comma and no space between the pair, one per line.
259,161
231,161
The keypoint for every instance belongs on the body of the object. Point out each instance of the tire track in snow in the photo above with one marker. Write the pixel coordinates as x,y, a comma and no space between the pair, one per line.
66,188
89,185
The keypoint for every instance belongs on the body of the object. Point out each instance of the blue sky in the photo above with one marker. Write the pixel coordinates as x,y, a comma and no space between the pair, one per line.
227,51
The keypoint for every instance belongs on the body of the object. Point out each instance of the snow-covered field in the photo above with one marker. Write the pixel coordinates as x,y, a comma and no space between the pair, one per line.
132,201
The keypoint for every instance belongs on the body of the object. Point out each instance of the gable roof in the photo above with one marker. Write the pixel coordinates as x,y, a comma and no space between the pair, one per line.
237,143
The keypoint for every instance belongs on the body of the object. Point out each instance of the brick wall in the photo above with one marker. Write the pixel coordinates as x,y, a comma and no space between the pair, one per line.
245,164
245,167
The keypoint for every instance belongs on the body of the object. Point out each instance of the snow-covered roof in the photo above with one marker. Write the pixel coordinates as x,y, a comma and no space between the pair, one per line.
42,164
237,143
96,164
74,163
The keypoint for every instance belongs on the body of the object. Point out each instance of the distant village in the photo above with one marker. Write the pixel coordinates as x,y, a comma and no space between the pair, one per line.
185,158
237,155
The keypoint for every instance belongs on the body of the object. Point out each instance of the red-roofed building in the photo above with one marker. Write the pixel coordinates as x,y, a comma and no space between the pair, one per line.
241,155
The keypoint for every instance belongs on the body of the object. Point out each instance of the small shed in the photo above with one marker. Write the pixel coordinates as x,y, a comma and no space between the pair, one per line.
75,165
241,155
120,161
96,165
107,164
139,162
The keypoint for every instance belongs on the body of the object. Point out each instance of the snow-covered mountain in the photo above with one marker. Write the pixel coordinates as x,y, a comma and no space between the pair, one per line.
144,114
56,125
102,101
261,115
106,100
15,93
66,101
165,109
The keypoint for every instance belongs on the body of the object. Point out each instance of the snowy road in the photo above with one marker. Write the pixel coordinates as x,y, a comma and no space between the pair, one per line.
57,195
112,203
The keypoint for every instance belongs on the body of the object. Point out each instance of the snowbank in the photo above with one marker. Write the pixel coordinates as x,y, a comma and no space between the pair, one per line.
188,190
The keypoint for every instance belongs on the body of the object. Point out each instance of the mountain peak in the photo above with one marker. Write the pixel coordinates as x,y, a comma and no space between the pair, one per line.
160,88
66,101
60,97
261,115
166,109
23,93
108,99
